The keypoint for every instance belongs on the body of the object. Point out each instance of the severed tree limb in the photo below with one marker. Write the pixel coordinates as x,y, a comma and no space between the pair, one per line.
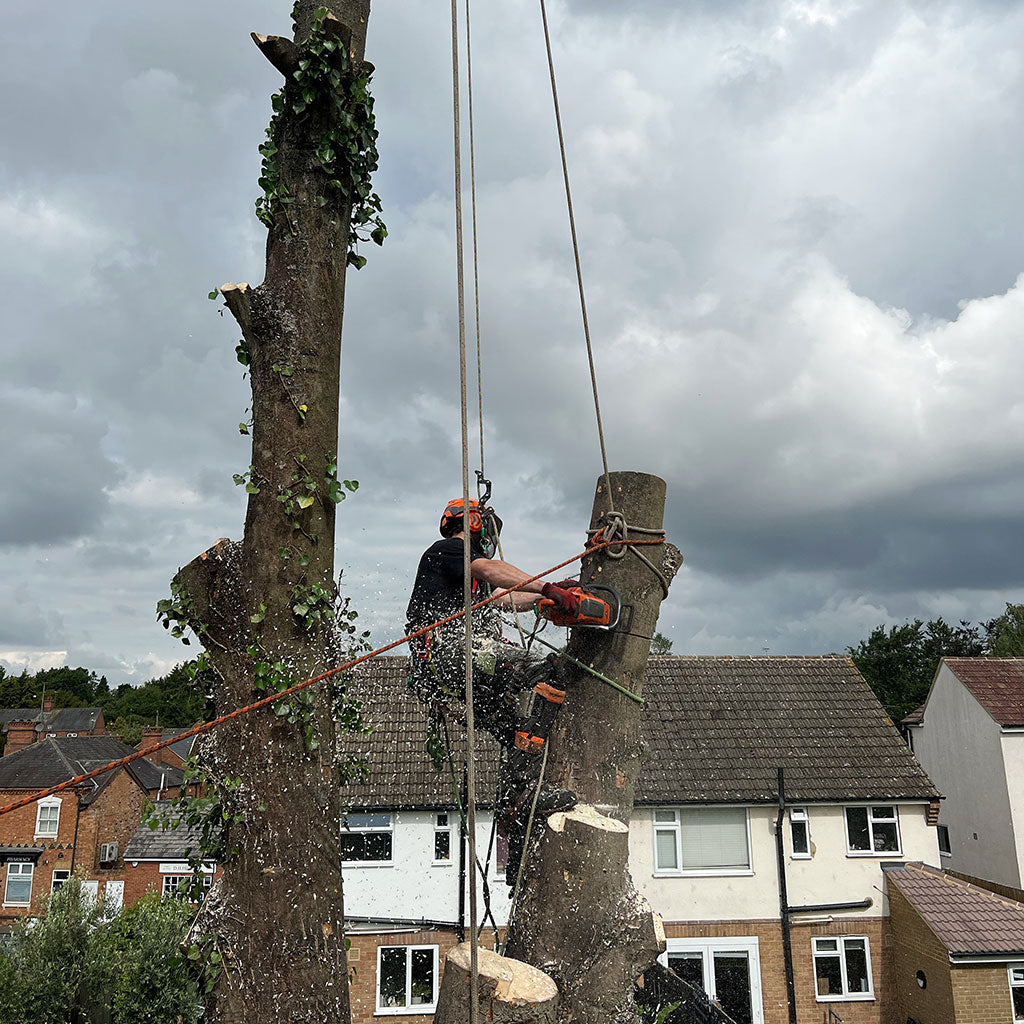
280,51
509,991
238,299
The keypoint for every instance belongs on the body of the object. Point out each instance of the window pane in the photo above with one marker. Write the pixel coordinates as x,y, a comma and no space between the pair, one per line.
800,843
689,967
829,975
665,850
714,837
378,846
885,837
391,981
883,812
422,977
352,846
368,820
1018,1003
825,945
1017,976
47,821
665,816
857,828
732,986
857,966
943,832
442,845
19,883
442,820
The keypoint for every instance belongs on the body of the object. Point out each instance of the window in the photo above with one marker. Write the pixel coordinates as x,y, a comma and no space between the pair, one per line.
47,818
60,876
944,847
704,840
406,979
442,839
727,970
842,968
1017,991
366,838
871,830
18,892
799,830
181,885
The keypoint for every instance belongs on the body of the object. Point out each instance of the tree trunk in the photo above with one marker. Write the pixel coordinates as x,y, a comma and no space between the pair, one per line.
578,917
509,991
265,608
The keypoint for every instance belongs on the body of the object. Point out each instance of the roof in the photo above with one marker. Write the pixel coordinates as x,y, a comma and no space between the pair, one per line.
967,919
716,730
182,747
996,683
55,720
50,761
916,717
176,842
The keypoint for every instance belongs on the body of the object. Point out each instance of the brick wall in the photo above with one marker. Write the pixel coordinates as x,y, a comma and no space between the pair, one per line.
144,876
981,994
773,970
911,946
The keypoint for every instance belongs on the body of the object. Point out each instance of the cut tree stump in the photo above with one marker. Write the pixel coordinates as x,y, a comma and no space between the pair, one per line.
510,992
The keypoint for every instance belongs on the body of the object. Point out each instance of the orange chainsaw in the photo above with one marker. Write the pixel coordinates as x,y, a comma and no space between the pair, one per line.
599,608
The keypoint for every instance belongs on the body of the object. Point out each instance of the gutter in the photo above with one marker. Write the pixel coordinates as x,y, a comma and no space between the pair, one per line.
822,908
420,922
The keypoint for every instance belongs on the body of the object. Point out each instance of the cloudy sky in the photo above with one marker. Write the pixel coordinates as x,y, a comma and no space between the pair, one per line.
801,231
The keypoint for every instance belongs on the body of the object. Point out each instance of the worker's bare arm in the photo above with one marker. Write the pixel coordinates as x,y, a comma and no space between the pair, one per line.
504,574
515,600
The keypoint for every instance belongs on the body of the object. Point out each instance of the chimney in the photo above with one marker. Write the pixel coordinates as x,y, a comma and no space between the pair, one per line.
152,734
47,702
19,736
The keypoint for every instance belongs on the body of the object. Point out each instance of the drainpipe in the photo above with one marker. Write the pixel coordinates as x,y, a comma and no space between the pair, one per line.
74,842
787,943
460,930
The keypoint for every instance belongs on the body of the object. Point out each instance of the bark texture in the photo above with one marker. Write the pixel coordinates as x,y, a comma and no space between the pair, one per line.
578,917
509,991
278,913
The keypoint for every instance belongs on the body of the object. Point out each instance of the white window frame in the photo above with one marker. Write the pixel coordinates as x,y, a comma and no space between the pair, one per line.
172,885
941,830
409,1008
47,804
799,814
55,882
391,829
872,819
708,947
1017,983
846,996
675,828
20,864
439,828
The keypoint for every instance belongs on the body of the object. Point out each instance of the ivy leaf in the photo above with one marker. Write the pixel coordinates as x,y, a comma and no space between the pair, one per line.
352,485
243,428
305,500
213,294
252,488
300,609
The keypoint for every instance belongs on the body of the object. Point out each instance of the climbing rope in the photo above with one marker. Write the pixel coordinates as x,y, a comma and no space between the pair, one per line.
576,252
616,530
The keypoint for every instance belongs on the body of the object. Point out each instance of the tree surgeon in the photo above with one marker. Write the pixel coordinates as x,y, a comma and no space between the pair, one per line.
502,671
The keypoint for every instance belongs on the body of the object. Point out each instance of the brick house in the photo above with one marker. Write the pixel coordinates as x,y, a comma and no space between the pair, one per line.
21,726
157,860
956,949
82,830
969,736
702,843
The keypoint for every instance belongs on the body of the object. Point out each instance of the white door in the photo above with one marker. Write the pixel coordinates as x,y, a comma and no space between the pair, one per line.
113,894
727,969
90,890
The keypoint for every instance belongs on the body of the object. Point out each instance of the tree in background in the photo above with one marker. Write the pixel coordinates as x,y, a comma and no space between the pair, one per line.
1004,634
660,644
899,662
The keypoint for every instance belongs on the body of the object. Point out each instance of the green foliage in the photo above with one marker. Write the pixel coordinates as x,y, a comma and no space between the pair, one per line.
1005,633
326,93
900,662
57,963
125,731
660,644
151,980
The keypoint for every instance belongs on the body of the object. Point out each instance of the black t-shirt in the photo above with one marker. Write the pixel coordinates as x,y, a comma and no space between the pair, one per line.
437,591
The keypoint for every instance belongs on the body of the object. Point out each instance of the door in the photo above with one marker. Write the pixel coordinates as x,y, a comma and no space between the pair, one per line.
113,894
727,969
